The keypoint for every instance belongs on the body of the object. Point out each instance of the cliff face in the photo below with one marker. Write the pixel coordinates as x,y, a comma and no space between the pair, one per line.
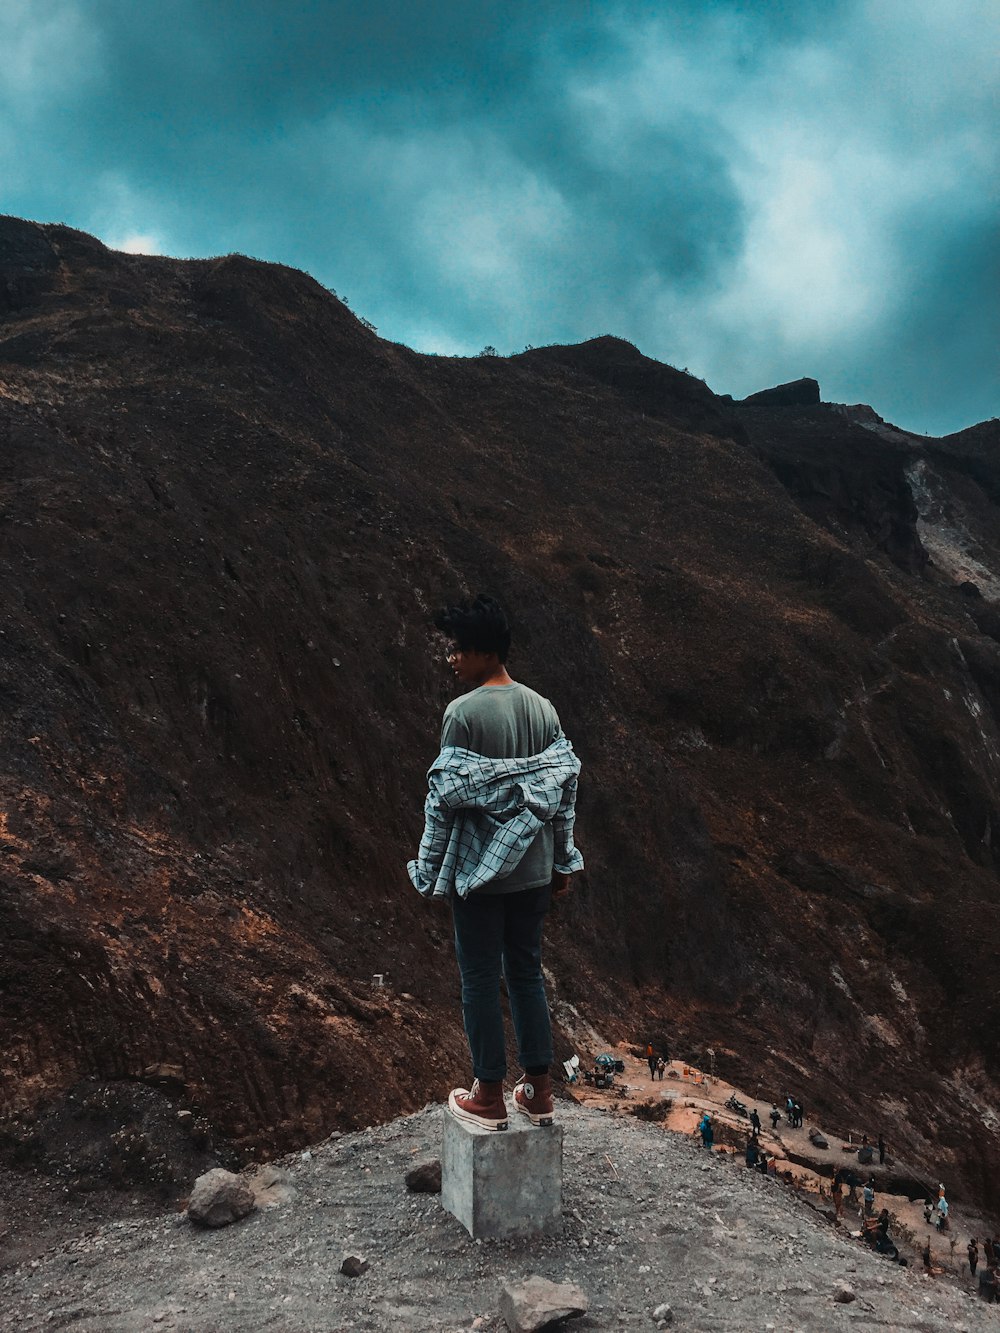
227,510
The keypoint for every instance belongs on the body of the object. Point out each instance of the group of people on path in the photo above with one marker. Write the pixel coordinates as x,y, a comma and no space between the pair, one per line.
877,1235
657,1063
845,1178
793,1112
867,1151
875,1231
989,1277
756,1157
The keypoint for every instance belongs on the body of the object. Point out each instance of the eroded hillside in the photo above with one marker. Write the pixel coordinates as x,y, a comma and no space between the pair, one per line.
227,510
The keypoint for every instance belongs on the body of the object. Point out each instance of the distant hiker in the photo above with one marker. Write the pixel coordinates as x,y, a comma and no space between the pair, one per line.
775,1117
498,843
790,1110
651,1060
763,1162
881,1150
973,1256
837,1194
942,1208
868,1195
755,1121
661,1066
752,1152
706,1131
797,1111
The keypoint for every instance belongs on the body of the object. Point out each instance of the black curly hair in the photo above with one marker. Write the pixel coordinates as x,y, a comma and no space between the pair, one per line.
478,627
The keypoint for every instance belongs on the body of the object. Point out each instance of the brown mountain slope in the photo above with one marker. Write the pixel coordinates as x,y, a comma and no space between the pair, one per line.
227,509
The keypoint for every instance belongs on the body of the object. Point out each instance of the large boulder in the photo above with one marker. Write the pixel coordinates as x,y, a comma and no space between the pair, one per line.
218,1198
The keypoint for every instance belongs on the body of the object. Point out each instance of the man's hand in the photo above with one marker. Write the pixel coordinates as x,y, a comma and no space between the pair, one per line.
562,885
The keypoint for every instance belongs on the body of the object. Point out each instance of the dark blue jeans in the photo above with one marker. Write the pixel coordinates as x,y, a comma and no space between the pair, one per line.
495,932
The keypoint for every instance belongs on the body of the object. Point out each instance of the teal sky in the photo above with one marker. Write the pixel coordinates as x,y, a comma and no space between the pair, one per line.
754,191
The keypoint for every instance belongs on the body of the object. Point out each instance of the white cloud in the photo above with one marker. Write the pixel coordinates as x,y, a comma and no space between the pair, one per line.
121,215
50,53
491,226
136,243
451,211
836,143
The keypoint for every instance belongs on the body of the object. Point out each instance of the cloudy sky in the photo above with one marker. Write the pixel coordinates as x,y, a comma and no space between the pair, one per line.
752,189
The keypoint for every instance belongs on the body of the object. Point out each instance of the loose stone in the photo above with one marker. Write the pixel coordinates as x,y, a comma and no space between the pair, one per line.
218,1198
530,1305
425,1178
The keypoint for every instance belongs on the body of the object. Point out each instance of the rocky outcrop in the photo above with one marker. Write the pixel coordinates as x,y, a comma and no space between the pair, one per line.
797,393
842,479
662,391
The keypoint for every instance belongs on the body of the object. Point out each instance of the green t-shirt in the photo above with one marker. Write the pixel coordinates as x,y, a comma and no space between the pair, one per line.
507,722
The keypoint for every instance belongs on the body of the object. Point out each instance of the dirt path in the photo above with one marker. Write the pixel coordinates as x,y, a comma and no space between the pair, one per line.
689,1091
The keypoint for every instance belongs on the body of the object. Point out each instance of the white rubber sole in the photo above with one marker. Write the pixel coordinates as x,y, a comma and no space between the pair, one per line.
469,1118
539,1120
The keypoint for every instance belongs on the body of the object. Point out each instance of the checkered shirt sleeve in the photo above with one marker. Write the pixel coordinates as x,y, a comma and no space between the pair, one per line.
482,814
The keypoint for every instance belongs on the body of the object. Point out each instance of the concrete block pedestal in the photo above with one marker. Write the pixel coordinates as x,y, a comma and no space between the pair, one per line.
502,1185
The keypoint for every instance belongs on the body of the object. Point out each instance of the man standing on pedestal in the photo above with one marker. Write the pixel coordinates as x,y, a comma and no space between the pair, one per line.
498,842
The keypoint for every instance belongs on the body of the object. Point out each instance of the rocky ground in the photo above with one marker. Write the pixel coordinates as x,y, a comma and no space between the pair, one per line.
649,1219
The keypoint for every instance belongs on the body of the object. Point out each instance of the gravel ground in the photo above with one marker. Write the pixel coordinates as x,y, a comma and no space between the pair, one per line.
727,1249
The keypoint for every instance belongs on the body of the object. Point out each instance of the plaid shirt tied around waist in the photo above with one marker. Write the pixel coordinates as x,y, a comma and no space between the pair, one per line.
481,816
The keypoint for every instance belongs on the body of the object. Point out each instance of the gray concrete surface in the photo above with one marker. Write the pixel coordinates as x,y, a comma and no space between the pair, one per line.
502,1185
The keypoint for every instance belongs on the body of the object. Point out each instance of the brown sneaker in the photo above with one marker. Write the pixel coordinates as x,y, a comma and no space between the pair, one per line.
482,1105
533,1098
